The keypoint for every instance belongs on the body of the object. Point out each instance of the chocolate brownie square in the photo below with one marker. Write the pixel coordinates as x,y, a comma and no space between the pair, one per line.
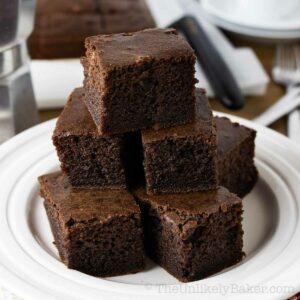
61,26
97,232
125,16
192,235
139,80
182,158
236,145
86,157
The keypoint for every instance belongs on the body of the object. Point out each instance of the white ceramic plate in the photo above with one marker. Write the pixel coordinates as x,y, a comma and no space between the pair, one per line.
284,26
267,14
29,262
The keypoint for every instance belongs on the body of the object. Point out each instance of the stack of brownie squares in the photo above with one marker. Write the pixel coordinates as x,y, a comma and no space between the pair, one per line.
146,168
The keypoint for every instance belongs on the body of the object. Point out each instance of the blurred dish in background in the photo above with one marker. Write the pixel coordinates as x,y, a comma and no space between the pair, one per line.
62,26
268,19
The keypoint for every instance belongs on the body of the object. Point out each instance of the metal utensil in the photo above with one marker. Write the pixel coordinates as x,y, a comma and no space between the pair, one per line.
170,13
18,109
285,72
293,124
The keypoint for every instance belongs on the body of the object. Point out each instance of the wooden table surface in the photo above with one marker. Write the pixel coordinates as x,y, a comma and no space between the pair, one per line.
254,105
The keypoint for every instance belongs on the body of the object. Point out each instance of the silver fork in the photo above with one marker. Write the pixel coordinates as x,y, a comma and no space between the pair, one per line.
286,71
293,124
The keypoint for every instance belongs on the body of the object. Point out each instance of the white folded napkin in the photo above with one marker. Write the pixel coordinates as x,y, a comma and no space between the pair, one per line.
54,80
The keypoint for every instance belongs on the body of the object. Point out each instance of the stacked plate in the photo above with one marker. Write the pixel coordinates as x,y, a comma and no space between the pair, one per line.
267,19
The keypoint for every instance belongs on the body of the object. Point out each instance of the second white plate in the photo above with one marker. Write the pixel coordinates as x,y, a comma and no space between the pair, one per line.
285,27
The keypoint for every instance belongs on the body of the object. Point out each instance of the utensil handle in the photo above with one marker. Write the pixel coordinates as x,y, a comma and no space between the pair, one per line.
283,106
220,77
293,126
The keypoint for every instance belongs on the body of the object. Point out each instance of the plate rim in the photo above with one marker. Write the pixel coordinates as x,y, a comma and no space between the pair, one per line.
272,35
273,26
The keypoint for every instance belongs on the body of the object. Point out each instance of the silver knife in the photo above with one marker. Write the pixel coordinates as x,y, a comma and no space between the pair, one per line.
172,13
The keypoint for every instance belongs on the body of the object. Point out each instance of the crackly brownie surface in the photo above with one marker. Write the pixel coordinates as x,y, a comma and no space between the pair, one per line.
182,158
97,232
139,80
75,118
192,235
236,145
86,157
134,47
61,26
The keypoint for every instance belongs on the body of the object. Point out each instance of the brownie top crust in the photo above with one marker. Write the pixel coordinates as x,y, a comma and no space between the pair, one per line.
125,49
78,7
85,204
196,203
113,7
202,125
45,7
230,134
75,118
